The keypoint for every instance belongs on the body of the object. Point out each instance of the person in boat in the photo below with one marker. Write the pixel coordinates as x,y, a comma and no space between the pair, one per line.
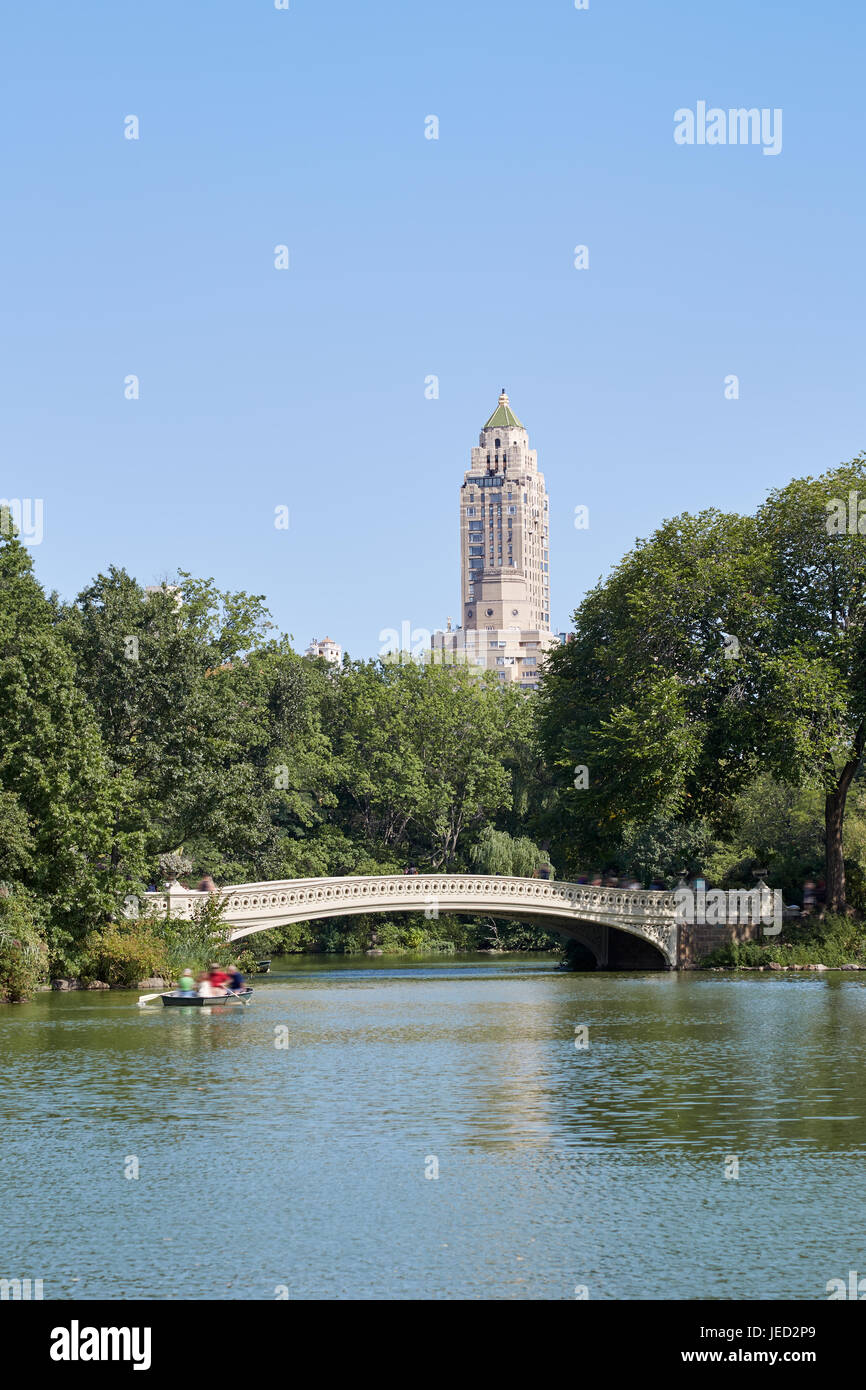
205,988
186,983
236,979
218,978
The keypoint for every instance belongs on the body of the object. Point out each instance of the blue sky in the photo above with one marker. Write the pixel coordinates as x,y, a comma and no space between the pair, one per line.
410,257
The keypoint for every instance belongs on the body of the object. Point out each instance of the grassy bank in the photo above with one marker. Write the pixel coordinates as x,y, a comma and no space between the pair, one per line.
831,941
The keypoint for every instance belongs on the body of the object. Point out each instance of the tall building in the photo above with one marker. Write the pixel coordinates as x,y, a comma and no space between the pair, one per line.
330,650
504,557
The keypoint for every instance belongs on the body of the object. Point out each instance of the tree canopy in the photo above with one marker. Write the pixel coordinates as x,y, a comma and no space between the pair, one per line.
721,648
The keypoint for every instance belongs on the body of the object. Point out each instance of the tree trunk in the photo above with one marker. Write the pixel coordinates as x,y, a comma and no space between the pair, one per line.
834,817
834,820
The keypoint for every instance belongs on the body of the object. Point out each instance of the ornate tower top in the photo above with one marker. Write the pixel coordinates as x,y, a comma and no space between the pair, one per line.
503,416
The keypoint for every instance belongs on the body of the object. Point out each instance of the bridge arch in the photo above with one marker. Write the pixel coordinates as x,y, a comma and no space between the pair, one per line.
587,913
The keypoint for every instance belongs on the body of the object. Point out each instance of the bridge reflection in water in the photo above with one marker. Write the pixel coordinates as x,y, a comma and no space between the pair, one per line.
622,928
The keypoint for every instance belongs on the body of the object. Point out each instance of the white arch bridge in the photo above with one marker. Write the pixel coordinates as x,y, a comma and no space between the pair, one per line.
629,927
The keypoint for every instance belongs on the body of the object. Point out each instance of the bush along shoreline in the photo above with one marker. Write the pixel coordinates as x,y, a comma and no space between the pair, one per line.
127,954
150,954
832,942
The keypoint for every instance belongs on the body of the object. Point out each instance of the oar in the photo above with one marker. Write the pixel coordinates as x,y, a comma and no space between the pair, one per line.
235,995
144,999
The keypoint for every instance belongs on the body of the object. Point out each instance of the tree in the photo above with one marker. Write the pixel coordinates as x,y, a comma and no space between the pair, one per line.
418,752
642,716
723,646
57,803
497,852
815,673
277,770
159,671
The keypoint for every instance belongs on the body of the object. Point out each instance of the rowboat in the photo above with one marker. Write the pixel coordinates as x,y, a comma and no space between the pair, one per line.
172,1000
198,1000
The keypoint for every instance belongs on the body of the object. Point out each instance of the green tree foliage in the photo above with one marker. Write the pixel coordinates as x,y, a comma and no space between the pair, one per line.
58,804
16,840
23,953
497,852
418,758
814,672
123,953
158,670
723,647
715,692
212,730
663,847
171,727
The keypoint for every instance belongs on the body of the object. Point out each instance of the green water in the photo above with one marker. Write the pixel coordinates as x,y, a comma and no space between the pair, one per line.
304,1166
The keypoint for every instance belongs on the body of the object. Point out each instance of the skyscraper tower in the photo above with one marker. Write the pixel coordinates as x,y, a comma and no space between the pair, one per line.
504,556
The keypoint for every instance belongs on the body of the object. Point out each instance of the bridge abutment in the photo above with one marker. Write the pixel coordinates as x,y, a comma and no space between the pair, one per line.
696,941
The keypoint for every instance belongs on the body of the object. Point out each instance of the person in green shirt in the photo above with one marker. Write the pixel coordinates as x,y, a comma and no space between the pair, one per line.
186,983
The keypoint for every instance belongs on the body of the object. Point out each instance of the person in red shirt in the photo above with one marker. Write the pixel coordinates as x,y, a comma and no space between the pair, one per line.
218,978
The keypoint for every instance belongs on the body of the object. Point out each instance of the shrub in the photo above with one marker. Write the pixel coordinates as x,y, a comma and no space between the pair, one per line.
831,940
123,953
200,941
23,953
855,885
247,962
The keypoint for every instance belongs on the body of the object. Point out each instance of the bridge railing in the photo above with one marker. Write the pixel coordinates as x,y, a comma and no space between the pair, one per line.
485,890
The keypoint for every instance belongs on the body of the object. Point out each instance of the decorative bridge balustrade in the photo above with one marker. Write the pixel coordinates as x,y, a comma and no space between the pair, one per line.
573,909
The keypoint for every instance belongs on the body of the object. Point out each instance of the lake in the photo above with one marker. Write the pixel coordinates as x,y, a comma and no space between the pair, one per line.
413,1128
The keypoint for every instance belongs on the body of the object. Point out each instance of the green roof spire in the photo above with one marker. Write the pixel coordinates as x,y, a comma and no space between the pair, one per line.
503,415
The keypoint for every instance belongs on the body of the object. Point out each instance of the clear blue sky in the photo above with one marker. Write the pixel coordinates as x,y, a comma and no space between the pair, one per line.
412,257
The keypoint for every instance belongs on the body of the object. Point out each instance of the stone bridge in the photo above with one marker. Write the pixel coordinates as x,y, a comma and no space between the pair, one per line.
622,928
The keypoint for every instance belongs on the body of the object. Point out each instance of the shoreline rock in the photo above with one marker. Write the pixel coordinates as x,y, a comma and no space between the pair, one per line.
72,982
777,965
